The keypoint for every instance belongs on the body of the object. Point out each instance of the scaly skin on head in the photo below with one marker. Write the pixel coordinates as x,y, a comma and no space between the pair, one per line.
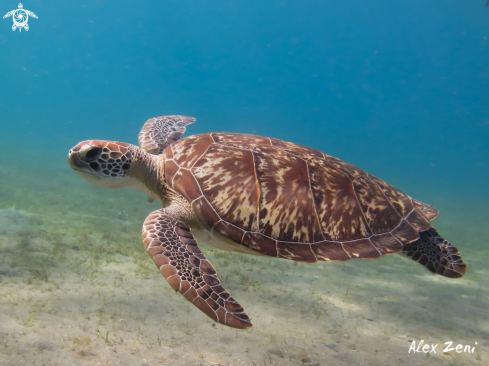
114,164
117,165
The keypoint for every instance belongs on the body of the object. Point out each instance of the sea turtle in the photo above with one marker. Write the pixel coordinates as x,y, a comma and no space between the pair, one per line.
257,195
20,17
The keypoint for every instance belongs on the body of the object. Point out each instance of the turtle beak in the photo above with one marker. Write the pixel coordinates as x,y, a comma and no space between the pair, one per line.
74,160
81,168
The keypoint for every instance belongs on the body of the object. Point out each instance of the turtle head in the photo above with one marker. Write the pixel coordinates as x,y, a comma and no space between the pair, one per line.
104,163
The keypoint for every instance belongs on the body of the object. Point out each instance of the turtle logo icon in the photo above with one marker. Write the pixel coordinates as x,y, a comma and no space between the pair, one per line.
20,17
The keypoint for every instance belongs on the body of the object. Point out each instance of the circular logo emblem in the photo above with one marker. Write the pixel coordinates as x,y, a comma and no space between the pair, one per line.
20,18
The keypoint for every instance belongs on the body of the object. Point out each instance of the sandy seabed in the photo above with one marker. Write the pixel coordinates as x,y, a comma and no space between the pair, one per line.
77,288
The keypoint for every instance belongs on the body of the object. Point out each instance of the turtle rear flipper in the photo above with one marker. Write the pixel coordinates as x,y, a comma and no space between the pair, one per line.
174,251
436,254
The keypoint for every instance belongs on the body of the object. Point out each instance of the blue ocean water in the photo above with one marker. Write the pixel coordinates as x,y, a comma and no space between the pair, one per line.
403,84
398,88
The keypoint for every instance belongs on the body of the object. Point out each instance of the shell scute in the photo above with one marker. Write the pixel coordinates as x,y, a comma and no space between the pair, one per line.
303,152
418,221
405,232
189,150
362,248
379,214
260,243
185,183
301,252
287,210
339,212
401,201
350,170
205,212
226,176
330,251
426,210
386,243
241,141
228,230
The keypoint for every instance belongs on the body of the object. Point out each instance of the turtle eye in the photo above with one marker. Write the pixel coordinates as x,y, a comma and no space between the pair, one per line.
91,154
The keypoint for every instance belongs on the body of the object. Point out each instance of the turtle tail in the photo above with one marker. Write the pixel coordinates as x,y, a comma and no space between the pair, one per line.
436,254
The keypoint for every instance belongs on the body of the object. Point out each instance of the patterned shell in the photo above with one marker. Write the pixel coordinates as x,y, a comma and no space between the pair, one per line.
289,201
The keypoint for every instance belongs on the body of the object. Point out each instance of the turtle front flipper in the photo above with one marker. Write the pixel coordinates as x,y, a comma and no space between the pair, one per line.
436,254
175,252
159,132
